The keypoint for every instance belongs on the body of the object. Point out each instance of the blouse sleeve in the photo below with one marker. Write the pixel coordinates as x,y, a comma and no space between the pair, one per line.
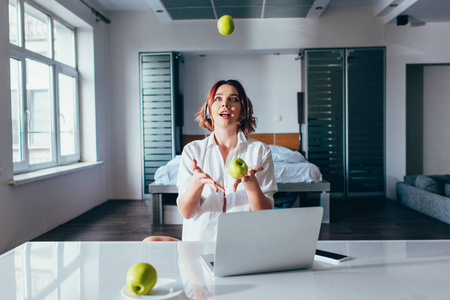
184,171
266,177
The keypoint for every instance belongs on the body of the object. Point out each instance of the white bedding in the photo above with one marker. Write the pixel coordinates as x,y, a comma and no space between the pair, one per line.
289,166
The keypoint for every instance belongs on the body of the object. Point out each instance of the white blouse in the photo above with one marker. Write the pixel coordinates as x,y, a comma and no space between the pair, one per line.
203,226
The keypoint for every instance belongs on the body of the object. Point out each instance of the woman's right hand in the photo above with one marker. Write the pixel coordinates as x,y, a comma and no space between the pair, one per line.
188,203
203,178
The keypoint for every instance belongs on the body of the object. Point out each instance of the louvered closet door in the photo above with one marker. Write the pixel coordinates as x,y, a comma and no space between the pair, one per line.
365,85
345,96
325,94
157,113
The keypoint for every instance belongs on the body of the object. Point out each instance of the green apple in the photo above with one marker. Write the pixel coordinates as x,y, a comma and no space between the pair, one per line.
141,278
225,25
237,168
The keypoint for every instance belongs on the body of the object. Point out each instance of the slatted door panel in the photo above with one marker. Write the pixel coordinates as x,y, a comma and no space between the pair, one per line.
157,113
365,84
325,79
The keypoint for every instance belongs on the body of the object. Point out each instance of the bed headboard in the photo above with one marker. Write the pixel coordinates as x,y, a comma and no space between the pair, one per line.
288,140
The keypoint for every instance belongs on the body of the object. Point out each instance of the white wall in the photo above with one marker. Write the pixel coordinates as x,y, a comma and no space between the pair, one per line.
271,82
436,120
134,32
406,45
29,210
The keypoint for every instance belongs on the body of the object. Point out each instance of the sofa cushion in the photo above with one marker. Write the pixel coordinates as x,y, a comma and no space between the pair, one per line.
447,189
441,178
410,179
429,184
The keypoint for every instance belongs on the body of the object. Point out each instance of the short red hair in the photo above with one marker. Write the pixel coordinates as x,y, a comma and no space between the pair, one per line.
247,123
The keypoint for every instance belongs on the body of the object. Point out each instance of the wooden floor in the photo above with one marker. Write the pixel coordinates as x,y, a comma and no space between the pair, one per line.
351,219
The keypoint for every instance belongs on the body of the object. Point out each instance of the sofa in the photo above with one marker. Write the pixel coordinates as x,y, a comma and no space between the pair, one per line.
428,194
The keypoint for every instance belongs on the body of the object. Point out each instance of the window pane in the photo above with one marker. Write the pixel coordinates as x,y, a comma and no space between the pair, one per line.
37,25
67,114
16,109
13,23
64,44
39,108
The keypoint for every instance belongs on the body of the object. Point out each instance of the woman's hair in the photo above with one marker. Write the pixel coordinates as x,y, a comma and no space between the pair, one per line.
247,121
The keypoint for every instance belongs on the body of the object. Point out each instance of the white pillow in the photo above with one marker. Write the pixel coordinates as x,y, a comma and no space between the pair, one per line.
284,154
296,172
167,174
174,161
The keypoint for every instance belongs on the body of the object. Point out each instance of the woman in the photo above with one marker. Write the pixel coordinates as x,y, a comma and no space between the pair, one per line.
205,187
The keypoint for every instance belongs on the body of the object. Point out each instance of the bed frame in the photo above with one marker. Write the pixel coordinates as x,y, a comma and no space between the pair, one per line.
288,140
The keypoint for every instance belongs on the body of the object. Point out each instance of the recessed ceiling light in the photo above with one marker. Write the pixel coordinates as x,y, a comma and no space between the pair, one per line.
393,5
319,7
159,11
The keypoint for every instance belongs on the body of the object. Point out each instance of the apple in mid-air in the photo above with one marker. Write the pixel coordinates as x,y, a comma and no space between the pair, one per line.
141,278
237,168
225,25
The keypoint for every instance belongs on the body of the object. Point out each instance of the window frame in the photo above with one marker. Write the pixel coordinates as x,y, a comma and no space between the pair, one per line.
21,54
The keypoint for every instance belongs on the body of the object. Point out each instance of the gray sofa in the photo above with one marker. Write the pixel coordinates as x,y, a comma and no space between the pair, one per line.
428,194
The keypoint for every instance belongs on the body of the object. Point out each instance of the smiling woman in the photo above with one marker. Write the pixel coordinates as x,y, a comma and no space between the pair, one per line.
247,122
205,187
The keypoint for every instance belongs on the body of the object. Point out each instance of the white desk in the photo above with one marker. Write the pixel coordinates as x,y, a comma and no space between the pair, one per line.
96,270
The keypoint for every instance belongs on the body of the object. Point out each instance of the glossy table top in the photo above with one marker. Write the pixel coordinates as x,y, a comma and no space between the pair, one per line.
97,270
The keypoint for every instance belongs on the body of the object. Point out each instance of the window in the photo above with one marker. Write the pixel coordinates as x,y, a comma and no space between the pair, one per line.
44,89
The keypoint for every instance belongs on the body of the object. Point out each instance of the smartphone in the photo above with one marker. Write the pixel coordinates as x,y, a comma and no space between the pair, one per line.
330,257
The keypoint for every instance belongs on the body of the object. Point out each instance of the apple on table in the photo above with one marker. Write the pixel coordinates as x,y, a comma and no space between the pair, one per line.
141,278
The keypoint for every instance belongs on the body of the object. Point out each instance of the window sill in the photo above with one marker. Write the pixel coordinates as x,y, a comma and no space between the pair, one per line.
20,179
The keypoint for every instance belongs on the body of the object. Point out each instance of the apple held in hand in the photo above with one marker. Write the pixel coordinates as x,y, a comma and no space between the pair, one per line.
225,25
237,168
141,278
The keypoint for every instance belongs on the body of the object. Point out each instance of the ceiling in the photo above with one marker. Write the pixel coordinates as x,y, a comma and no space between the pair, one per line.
419,11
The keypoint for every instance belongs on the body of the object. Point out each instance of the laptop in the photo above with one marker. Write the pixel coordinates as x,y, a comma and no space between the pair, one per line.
265,241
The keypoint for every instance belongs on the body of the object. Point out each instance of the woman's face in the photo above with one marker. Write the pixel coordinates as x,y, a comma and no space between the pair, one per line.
226,106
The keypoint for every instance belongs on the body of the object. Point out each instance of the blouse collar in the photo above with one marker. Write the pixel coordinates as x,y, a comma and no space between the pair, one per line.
242,139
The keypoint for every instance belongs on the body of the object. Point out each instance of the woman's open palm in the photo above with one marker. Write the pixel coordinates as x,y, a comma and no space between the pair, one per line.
249,177
204,178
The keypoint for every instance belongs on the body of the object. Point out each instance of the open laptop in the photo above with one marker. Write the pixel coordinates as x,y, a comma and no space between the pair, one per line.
265,241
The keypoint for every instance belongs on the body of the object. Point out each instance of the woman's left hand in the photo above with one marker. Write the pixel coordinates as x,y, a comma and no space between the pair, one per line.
249,177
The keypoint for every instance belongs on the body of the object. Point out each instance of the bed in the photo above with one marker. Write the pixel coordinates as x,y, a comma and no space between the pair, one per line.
293,173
